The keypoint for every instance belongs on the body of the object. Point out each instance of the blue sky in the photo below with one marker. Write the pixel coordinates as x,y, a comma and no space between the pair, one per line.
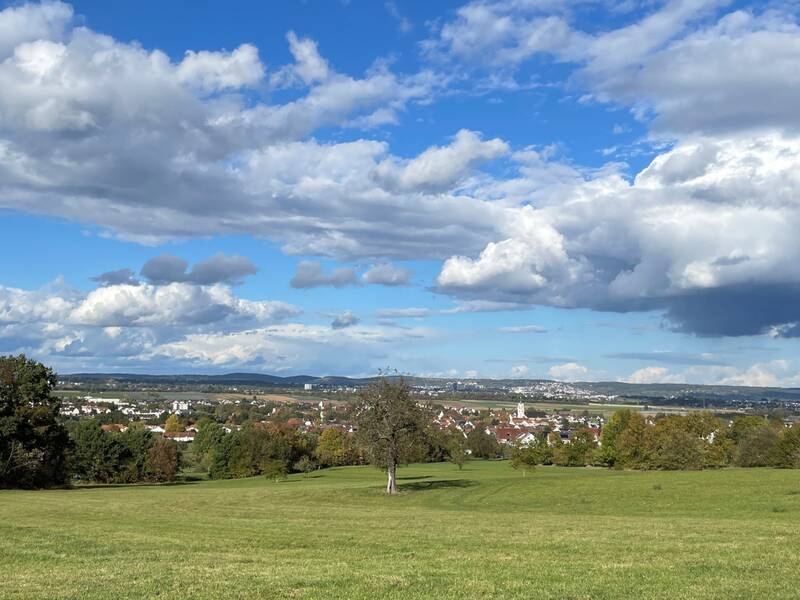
529,188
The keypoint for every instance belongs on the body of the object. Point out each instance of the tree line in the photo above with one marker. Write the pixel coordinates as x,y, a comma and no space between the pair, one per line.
37,450
671,442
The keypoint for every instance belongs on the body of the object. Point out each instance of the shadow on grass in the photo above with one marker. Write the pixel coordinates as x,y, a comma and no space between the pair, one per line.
421,486
414,478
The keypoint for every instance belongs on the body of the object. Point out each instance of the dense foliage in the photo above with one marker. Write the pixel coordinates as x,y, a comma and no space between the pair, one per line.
34,446
255,449
698,441
131,456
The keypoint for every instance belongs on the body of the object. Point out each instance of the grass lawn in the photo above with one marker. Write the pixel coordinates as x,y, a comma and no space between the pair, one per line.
484,532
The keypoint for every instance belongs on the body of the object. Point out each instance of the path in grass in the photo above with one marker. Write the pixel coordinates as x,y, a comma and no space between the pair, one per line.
484,532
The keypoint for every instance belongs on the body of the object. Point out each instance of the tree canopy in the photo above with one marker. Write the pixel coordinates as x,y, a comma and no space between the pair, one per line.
34,446
390,426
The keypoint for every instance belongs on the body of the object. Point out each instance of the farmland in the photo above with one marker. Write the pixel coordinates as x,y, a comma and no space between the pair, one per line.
484,531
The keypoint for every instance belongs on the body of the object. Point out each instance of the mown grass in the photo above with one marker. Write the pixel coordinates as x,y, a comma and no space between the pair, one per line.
484,532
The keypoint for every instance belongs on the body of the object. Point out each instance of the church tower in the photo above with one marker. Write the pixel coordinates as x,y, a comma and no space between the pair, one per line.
520,410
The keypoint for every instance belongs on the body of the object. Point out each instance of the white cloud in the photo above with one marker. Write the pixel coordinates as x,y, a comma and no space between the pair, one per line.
309,67
519,372
387,274
179,325
568,371
440,168
112,134
398,313
171,305
523,329
695,66
321,349
31,22
775,373
705,226
216,71
652,375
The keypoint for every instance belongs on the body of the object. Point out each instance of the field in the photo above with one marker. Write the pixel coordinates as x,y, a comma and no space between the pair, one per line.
484,532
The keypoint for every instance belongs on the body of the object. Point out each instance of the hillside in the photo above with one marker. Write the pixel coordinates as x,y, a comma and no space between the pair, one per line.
655,392
484,532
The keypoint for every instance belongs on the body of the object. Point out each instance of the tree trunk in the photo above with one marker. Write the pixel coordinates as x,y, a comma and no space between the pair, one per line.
391,485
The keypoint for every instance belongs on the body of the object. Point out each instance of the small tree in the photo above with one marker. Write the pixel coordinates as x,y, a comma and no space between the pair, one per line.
457,449
163,460
390,426
305,465
523,457
482,444
173,424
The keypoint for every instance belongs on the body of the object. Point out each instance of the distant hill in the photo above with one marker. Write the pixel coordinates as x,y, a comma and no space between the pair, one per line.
542,387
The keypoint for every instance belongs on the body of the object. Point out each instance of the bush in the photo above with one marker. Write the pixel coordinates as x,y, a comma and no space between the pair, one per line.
274,470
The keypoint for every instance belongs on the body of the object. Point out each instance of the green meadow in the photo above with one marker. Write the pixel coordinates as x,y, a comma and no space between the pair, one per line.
484,532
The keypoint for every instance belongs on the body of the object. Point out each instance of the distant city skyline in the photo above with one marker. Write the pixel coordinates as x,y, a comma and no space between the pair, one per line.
499,189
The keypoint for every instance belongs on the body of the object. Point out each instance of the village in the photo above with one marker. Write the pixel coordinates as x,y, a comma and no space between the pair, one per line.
180,419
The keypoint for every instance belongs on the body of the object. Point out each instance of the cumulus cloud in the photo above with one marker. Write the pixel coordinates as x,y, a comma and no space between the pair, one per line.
346,319
310,274
652,375
170,305
568,371
31,22
440,168
219,268
309,67
519,371
775,373
703,233
733,73
177,326
116,277
119,136
387,274
216,71
112,134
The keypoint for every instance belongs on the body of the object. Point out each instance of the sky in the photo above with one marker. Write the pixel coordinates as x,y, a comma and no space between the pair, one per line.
586,190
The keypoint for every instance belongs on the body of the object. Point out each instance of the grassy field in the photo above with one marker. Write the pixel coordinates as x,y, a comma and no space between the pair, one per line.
484,532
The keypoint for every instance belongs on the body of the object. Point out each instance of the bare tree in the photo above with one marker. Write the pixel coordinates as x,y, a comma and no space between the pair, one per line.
390,426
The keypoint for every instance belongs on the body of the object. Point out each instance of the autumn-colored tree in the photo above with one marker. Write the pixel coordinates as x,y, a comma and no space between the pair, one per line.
788,448
173,424
630,443
163,460
336,448
616,424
